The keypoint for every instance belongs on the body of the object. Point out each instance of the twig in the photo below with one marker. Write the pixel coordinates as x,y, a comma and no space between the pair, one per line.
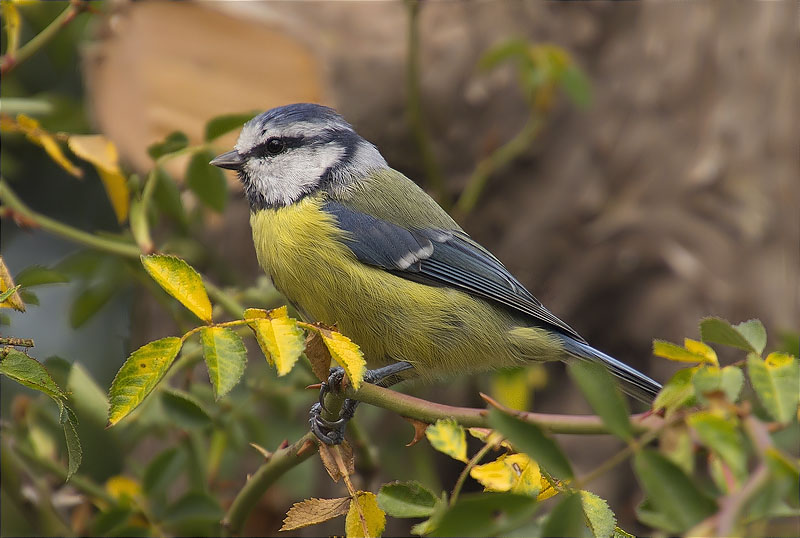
18,342
470,464
282,460
414,111
430,412
10,201
496,160
9,62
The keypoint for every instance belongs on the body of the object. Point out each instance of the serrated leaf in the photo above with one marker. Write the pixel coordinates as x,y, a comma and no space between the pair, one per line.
566,519
29,372
102,153
675,352
208,182
601,391
74,450
329,459
181,281
754,332
484,514
314,511
406,499
139,375
280,339
365,519
602,521
720,331
722,437
226,358
36,134
704,350
184,409
677,392
775,381
36,275
175,141
670,491
221,125
346,353
529,438
448,437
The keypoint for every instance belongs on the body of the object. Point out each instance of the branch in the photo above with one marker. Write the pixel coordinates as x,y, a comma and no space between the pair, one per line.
280,462
430,412
14,205
10,61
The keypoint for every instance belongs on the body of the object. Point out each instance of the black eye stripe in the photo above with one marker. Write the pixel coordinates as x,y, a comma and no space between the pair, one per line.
262,149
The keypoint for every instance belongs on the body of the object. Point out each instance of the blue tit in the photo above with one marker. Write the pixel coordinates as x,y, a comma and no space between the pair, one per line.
350,241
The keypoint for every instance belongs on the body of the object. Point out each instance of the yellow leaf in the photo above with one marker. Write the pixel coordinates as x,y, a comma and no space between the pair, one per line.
11,16
255,313
527,476
489,437
279,338
777,359
102,153
123,488
494,476
6,283
346,353
699,348
39,136
365,519
547,490
510,388
314,511
674,352
181,281
447,436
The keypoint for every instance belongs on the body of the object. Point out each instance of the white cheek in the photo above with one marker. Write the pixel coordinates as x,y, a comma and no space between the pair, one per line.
285,178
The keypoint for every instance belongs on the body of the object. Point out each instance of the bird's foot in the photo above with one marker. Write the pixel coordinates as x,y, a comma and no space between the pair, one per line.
332,432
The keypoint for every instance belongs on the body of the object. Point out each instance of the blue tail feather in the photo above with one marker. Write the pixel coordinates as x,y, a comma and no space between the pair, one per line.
635,383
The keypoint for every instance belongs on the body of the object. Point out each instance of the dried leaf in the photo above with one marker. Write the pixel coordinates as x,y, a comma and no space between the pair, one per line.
329,459
318,355
314,511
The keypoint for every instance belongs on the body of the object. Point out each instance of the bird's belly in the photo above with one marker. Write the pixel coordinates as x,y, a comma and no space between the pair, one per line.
442,331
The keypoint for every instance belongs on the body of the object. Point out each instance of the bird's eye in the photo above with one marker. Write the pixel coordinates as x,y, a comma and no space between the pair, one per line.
275,146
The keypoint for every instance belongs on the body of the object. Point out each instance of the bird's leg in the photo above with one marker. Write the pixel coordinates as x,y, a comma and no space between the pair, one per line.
332,432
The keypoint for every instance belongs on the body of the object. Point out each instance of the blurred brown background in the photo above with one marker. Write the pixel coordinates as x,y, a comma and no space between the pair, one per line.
672,197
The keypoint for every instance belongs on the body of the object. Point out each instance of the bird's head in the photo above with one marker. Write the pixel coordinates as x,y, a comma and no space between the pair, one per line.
295,150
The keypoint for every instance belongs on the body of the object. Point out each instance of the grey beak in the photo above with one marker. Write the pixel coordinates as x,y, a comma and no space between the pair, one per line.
230,160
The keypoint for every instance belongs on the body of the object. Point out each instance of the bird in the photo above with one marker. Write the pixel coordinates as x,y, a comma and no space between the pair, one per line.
351,242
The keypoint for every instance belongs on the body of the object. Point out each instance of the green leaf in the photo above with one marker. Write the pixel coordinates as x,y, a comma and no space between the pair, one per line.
406,499
602,521
706,380
732,382
221,125
775,381
677,392
722,437
168,198
74,451
485,514
139,375
208,182
513,48
670,491
530,439
28,297
647,514
749,336
174,141
162,471
192,511
36,275
448,437
566,519
601,391
184,409
181,281
576,86
29,372
225,357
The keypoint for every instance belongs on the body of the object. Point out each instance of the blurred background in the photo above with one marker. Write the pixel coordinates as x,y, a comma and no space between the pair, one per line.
655,180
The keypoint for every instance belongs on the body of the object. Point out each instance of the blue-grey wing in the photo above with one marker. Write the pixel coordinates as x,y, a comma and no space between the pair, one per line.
439,258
